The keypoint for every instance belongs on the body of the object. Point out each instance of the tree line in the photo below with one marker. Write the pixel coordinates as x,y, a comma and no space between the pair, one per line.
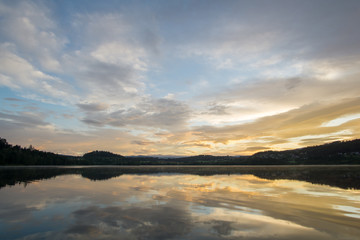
340,152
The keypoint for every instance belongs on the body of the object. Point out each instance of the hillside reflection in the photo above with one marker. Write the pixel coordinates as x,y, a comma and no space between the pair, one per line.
337,176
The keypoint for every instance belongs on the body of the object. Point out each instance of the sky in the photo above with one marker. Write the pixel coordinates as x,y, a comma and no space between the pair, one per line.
179,77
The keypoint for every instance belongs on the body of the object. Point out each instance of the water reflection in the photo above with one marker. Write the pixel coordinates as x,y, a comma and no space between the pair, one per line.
68,205
337,176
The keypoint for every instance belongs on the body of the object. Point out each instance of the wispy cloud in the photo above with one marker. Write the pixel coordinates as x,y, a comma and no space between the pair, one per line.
152,113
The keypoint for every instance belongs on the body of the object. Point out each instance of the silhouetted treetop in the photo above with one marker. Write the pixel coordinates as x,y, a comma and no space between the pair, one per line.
105,154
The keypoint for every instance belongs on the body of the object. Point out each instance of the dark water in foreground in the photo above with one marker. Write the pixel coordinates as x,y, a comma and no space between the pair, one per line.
180,203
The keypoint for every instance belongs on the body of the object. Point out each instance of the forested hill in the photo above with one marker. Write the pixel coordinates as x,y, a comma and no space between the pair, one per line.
341,152
103,157
16,155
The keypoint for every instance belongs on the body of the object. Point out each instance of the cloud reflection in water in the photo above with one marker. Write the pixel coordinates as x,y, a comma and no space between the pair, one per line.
177,206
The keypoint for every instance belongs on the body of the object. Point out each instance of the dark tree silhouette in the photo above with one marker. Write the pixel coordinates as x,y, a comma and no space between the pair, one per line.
345,152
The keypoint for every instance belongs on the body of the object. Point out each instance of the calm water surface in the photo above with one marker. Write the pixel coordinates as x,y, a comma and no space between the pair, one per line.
180,203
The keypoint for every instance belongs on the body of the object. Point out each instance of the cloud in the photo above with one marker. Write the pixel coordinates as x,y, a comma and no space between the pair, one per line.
142,143
110,80
106,58
222,228
20,75
28,25
154,113
24,119
155,222
14,99
114,30
92,107
84,229
16,213
30,49
296,123
119,53
252,99
272,40
217,109
111,56
255,149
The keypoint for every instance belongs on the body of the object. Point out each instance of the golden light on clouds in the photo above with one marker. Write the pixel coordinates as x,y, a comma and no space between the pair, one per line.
228,78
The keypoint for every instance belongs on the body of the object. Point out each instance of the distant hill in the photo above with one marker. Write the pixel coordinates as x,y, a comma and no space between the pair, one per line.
340,152
103,157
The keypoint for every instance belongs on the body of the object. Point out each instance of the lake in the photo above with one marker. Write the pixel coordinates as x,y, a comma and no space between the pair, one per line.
189,202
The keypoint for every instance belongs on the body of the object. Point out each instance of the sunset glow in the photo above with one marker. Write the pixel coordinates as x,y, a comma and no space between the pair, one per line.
179,77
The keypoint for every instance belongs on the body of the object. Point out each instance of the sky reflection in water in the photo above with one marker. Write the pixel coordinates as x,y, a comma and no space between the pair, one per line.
178,206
